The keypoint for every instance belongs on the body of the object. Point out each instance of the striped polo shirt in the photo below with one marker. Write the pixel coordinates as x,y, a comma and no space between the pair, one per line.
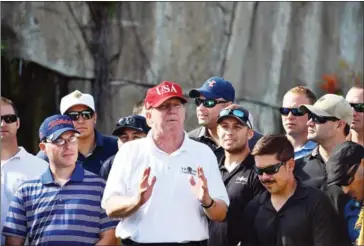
47,213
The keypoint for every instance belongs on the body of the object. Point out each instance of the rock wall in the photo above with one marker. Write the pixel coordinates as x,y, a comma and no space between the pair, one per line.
263,48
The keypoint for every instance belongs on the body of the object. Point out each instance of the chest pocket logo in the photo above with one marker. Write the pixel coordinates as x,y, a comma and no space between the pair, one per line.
188,170
241,180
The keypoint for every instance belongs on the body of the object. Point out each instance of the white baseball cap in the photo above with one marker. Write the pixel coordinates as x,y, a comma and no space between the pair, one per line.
331,105
77,98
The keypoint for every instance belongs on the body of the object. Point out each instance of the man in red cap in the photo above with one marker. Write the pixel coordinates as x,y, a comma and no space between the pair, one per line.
157,187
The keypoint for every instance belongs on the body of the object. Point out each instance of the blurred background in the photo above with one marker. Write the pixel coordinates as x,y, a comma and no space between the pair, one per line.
117,50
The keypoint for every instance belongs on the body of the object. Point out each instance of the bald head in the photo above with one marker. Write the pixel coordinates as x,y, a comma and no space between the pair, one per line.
355,95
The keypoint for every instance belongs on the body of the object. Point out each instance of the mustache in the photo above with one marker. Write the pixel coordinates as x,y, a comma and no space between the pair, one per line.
268,181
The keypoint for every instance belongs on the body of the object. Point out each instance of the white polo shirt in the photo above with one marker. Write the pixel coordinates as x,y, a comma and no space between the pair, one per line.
14,171
173,213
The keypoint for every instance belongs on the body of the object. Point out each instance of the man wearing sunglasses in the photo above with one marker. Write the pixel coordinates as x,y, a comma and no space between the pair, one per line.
214,95
62,205
17,165
346,166
295,122
93,148
355,97
288,213
237,171
328,125
127,129
157,186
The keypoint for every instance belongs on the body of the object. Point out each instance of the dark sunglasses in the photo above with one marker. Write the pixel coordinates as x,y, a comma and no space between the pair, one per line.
207,103
273,169
9,118
321,119
75,115
358,107
294,111
237,113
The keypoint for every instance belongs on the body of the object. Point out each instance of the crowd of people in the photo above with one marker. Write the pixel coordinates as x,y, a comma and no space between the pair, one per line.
222,184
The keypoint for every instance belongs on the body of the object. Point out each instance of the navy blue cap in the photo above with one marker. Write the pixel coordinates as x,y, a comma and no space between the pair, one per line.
135,122
54,126
213,88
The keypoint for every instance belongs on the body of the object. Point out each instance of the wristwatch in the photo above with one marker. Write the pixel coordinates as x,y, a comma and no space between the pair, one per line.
208,206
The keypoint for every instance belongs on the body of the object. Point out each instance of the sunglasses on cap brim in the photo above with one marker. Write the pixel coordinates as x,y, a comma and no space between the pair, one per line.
237,113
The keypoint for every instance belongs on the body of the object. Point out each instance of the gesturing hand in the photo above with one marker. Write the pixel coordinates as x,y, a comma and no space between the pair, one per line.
145,189
200,188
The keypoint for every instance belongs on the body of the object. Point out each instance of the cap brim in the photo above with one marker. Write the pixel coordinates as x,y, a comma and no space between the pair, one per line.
55,135
232,116
310,108
198,92
160,102
119,130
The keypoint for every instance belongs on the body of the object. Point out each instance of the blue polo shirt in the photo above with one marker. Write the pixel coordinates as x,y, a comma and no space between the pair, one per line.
105,147
305,150
47,213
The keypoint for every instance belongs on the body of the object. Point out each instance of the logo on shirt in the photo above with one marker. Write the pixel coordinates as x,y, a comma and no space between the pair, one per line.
241,180
188,170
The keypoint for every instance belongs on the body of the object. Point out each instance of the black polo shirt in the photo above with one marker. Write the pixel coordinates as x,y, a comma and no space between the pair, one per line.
201,135
311,170
242,185
308,218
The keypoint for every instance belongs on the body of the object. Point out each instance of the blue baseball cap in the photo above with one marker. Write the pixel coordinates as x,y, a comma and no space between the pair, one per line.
54,126
135,122
213,88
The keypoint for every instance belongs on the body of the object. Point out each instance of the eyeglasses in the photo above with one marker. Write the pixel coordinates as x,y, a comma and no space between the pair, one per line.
237,113
358,107
294,111
9,118
61,141
273,169
321,119
75,115
207,103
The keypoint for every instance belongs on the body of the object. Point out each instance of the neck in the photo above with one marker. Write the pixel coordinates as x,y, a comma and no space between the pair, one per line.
9,149
231,158
357,137
213,134
168,142
61,175
325,149
86,145
297,141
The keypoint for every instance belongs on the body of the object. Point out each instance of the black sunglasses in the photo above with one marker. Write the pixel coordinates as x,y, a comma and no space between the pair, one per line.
294,111
75,115
273,169
321,119
9,118
207,103
358,107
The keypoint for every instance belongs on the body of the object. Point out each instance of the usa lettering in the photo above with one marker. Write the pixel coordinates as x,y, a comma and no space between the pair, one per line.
165,89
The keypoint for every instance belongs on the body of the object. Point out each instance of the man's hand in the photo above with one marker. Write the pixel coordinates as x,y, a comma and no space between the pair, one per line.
200,188
145,189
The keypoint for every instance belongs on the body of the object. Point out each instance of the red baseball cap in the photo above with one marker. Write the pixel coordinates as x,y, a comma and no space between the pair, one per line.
162,92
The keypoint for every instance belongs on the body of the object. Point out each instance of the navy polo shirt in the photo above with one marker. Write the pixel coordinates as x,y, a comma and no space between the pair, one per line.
49,214
105,147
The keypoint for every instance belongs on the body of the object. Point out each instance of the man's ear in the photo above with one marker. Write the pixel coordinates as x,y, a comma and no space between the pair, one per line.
290,164
95,118
250,133
18,123
42,147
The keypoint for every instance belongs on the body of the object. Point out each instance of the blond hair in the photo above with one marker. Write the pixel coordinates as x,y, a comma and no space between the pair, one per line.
305,91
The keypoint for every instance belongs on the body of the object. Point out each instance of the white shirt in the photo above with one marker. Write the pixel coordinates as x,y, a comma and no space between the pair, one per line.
14,171
173,213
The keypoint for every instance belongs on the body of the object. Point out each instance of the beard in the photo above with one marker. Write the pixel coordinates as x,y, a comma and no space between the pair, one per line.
236,150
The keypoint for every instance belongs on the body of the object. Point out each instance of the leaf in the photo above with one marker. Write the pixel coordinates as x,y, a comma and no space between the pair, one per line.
330,84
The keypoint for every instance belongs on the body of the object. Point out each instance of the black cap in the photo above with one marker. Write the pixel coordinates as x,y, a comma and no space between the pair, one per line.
239,113
135,122
343,158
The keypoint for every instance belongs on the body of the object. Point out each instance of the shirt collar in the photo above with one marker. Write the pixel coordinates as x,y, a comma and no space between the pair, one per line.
77,175
19,155
184,146
203,132
309,145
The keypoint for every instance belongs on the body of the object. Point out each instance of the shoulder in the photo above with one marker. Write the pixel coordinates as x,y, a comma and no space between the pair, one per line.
199,147
90,177
109,141
29,186
35,160
195,132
